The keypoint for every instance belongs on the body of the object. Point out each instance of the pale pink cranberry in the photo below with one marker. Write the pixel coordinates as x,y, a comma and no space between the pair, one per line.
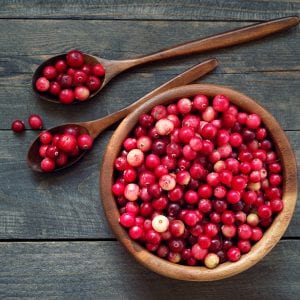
160,223
184,105
81,93
135,157
211,260
164,126
131,192
167,182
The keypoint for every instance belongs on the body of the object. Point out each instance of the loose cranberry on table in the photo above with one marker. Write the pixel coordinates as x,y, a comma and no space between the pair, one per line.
18,126
71,78
58,150
198,181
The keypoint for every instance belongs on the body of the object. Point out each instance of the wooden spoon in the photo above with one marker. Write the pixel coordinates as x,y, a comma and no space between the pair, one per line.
226,39
94,128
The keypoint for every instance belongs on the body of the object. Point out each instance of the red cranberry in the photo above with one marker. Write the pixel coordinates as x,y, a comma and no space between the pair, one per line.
233,254
66,96
49,72
61,66
200,102
67,143
54,88
52,151
87,69
85,142
98,70
79,77
35,122
75,58
61,159
146,120
42,84
220,103
93,83
17,126
159,112
47,164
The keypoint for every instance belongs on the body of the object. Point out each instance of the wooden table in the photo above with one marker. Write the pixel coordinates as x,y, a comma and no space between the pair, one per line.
55,242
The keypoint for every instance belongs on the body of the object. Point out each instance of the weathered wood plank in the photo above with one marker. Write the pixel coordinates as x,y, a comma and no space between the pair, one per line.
278,92
66,205
124,39
103,270
166,10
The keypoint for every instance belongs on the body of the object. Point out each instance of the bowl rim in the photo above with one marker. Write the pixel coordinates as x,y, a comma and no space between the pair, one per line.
272,234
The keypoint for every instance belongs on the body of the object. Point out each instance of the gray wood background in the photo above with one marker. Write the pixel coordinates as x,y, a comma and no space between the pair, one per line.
55,242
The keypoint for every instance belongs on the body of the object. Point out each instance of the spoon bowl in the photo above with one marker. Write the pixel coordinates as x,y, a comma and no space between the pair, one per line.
219,41
34,159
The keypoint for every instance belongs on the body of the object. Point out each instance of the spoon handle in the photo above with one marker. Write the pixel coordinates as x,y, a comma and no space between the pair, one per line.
97,126
223,40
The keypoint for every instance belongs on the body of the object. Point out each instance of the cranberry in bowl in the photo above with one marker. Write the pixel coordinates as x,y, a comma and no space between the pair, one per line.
199,183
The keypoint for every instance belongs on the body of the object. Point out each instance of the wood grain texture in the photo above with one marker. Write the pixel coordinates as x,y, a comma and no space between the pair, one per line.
103,270
151,9
66,205
128,39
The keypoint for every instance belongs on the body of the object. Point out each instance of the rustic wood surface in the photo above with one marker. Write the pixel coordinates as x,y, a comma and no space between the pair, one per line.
41,214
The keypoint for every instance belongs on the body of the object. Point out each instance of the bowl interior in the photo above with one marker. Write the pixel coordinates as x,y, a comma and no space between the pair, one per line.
271,236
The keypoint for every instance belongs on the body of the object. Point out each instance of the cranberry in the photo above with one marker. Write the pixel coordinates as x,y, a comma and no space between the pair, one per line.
75,58
200,102
17,126
79,77
198,253
234,254
244,232
220,103
87,69
61,66
85,142
93,83
66,96
184,105
127,220
98,70
131,191
47,164
264,212
49,72
42,84
158,112
35,122
244,246
54,88
135,232
61,159
146,120
67,143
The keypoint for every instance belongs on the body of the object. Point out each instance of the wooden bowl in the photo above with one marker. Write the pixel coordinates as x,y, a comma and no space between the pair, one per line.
261,248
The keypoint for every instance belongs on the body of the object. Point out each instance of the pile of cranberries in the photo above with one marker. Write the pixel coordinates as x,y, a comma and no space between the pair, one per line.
71,79
57,150
198,181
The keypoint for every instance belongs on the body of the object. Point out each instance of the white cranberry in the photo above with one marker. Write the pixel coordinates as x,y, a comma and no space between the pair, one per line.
160,223
135,157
